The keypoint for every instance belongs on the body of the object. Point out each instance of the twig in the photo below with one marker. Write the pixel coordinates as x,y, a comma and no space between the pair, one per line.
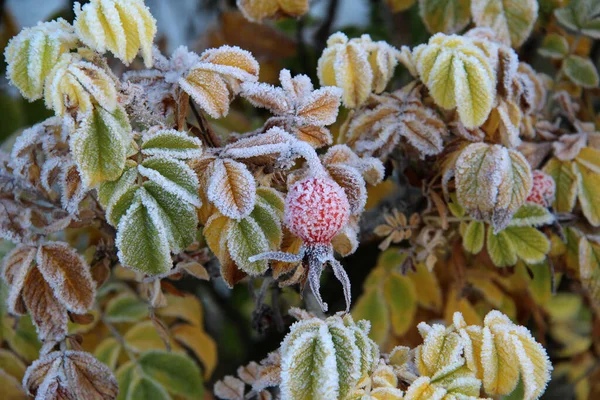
323,32
117,335
210,137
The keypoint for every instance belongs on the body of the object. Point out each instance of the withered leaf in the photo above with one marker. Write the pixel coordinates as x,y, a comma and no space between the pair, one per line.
15,268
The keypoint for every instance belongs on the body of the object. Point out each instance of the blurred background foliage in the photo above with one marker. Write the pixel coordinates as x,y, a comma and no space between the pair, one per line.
245,327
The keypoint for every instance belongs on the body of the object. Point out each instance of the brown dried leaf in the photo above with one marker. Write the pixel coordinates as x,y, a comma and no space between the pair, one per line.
231,188
230,388
195,269
68,274
15,268
88,378
258,10
316,136
567,147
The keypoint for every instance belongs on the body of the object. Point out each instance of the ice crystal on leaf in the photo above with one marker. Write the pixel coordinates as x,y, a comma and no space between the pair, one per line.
376,130
298,108
358,66
47,281
70,375
258,10
122,27
458,74
325,359
32,54
492,182
75,84
217,76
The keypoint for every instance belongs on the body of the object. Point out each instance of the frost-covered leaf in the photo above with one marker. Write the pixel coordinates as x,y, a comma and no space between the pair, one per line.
501,248
142,239
216,78
76,85
176,372
554,46
457,74
446,16
511,20
173,176
230,388
15,268
345,64
263,149
99,145
231,188
531,214
32,53
564,175
70,375
68,274
171,143
581,16
244,240
123,27
581,71
440,352
474,237
47,313
259,10
492,182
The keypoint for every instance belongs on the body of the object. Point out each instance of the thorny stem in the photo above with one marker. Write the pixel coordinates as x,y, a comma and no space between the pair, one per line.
210,137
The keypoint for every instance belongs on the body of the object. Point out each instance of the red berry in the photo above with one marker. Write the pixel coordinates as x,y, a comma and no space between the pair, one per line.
316,209
543,190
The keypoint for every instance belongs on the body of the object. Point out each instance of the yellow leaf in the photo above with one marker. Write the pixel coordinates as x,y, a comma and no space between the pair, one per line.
400,295
203,346
446,16
511,20
188,308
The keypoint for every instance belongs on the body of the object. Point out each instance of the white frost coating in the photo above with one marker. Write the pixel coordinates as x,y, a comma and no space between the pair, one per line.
232,188
50,170
171,143
70,197
187,182
14,272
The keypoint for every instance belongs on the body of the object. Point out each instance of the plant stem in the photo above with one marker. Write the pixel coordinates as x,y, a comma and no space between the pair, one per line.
211,139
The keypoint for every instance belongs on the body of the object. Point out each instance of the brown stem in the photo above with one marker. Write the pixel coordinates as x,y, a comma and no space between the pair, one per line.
209,136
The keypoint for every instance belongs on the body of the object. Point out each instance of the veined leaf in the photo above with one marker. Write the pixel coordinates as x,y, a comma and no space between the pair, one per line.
563,173
581,16
531,214
501,248
587,172
581,71
530,244
244,240
511,20
554,46
474,237
446,16
171,143
99,145
174,176
231,188
176,372
401,298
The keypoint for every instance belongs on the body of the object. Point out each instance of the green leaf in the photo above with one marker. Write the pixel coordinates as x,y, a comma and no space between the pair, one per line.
142,337
531,214
267,219
447,16
179,218
500,248
125,307
246,239
530,244
541,284
474,237
99,145
172,143
588,184
174,176
554,46
142,239
176,372
371,306
401,298
581,16
125,375
511,20
23,339
119,204
273,198
107,352
564,176
348,364
144,388
108,190
581,71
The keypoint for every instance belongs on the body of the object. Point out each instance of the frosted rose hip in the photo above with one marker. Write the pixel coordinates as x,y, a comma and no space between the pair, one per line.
543,190
316,209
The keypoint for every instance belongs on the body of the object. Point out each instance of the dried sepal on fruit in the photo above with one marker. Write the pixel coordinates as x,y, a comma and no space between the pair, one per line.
123,27
298,108
376,130
492,182
458,74
216,77
259,10
31,55
358,66
74,85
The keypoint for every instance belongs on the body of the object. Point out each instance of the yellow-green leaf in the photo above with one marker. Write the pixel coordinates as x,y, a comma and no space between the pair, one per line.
400,295
563,173
371,306
446,16
530,244
554,46
581,71
501,248
511,20
474,237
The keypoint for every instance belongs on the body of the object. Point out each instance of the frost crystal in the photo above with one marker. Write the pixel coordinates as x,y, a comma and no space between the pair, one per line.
120,26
